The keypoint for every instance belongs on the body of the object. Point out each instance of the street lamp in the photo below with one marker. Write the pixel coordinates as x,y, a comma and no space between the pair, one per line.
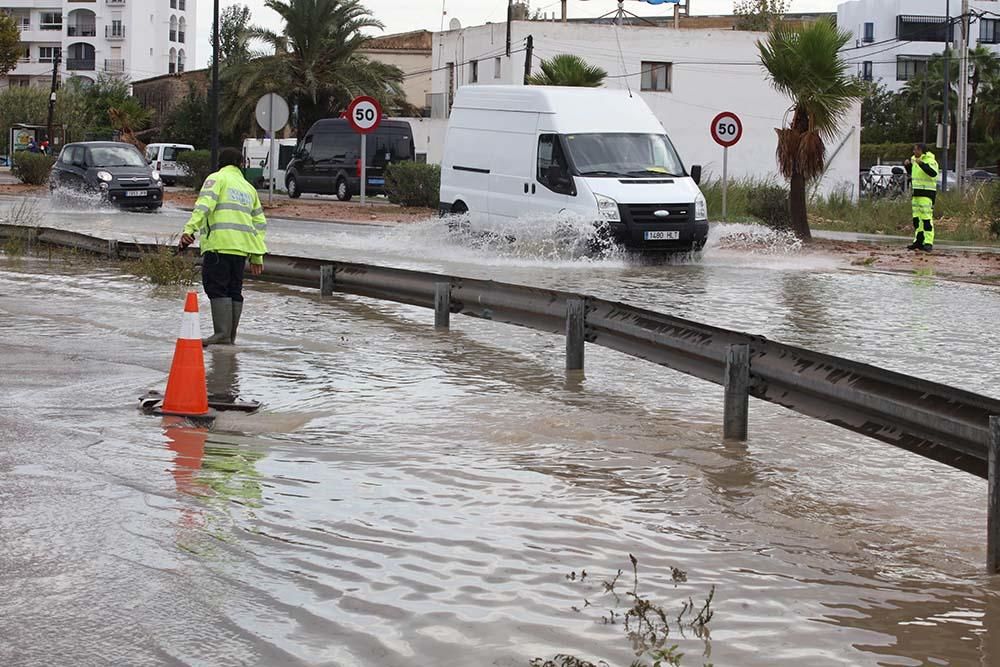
214,97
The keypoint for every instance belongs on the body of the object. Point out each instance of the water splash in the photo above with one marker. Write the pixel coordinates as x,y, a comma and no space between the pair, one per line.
753,239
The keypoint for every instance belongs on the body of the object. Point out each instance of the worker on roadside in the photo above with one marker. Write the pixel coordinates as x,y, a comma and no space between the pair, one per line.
230,220
923,173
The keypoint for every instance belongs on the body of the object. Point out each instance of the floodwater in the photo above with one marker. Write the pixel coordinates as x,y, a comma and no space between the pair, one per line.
409,496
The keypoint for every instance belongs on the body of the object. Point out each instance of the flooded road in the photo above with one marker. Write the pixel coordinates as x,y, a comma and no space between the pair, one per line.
417,497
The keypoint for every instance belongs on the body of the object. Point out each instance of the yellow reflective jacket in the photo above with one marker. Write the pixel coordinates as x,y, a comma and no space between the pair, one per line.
229,217
921,179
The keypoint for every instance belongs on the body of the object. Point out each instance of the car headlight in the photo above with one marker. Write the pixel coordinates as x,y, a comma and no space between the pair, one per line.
156,175
607,209
700,207
104,176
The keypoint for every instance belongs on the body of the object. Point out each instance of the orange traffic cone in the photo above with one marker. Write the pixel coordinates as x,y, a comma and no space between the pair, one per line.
187,392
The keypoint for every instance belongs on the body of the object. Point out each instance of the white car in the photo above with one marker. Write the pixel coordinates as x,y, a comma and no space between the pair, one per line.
163,158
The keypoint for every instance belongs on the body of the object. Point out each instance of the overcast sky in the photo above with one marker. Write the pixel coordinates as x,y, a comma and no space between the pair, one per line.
426,14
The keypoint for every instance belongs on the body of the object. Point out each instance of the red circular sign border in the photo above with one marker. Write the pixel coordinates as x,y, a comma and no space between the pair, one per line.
739,129
350,114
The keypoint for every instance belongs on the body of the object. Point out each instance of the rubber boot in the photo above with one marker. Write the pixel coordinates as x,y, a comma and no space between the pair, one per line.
222,322
237,311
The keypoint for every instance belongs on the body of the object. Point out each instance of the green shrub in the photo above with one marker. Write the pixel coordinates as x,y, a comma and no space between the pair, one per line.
768,202
32,168
198,165
994,211
413,184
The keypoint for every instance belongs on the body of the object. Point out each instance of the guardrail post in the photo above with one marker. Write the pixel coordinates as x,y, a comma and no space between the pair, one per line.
113,248
326,280
442,305
737,392
993,510
576,320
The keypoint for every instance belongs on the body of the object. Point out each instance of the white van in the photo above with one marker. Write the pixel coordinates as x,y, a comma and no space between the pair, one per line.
517,151
163,158
257,163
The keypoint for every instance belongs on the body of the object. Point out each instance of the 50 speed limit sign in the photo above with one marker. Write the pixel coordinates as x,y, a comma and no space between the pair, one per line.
726,129
364,114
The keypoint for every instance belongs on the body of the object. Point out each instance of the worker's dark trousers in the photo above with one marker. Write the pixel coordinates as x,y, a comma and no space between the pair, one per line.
222,275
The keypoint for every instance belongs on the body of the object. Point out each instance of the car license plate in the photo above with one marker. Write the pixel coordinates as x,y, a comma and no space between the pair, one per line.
135,193
376,181
663,236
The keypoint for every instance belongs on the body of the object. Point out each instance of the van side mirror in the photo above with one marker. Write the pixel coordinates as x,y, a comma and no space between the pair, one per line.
696,173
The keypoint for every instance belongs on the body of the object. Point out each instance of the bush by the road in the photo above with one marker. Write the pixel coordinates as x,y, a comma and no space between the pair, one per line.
413,184
32,168
768,202
199,166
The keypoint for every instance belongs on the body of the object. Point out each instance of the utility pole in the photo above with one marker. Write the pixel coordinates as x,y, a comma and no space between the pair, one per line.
924,87
564,11
215,86
528,48
962,141
946,116
52,98
510,17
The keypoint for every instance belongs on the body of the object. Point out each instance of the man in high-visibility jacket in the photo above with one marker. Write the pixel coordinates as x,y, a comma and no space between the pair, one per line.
230,220
923,173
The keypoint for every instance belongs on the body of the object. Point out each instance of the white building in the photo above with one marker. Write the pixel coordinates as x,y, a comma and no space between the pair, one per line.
686,76
894,39
134,38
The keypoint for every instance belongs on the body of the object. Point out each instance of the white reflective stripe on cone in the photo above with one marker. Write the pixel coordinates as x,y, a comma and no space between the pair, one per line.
190,328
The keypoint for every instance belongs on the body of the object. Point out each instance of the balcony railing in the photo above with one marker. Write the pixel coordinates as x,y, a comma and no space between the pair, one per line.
82,30
114,32
81,64
51,26
114,66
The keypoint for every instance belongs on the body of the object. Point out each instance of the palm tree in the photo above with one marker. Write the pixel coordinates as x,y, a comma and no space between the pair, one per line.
803,63
567,70
313,61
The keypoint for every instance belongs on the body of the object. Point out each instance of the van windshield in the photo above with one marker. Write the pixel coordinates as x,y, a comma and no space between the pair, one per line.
623,154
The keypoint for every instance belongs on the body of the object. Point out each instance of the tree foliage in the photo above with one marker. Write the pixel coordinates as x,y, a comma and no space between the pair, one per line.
11,49
889,117
314,63
568,70
188,123
758,15
804,64
234,36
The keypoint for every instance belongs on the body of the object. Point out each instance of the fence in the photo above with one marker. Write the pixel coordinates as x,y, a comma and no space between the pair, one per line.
942,423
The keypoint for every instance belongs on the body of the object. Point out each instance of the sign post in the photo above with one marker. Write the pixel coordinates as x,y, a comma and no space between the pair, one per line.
272,115
726,130
364,115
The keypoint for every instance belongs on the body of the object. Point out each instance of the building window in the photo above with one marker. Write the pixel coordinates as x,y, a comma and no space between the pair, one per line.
474,71
181,5
989,31
26,56
47,54
51,21
907,67
180,30
173,28
923,29
496,68
866,70
18,81
656,76
180,61
173,4
24,22
869,32
172,64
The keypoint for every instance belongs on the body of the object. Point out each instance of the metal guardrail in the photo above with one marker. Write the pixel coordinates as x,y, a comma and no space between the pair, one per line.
942,423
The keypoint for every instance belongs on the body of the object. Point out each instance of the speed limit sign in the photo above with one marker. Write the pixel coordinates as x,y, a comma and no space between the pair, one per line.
364,114
726,129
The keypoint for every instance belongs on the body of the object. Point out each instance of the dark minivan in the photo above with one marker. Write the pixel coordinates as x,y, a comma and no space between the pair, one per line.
327,160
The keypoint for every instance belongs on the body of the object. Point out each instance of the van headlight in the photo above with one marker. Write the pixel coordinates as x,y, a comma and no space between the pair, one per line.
700,207
156,175
104,176
607,209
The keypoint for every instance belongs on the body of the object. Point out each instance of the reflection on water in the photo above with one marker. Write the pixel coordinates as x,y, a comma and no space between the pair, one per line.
411,497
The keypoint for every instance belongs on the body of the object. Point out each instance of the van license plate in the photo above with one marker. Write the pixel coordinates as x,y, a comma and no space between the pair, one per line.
376,181
662,236
135,193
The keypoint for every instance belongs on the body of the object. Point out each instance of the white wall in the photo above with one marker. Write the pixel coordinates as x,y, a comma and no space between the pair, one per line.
883,53
712,71
428,136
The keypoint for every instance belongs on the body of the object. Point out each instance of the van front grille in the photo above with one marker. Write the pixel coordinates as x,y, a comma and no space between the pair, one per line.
645,214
